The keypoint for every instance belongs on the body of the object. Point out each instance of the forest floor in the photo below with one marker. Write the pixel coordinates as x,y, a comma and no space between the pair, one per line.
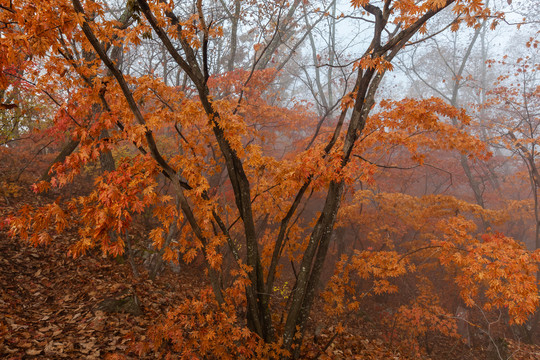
50,302
50,309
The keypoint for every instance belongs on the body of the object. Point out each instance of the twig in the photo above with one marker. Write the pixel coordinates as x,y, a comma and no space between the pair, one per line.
323,350
29,162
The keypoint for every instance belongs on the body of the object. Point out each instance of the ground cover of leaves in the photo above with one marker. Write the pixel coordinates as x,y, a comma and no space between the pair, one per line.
49,302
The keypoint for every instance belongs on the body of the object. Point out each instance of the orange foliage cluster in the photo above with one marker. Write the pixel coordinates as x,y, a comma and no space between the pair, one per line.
196,329
496,264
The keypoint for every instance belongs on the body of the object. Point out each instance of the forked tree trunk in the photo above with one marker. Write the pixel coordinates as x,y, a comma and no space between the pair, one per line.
195,64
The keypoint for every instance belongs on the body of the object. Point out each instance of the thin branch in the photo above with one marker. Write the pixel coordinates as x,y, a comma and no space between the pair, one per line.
31,160
7,9
46,93
323,350
386,166
434,34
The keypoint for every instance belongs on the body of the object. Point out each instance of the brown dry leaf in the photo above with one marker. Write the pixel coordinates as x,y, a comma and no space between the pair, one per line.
49,348
33,352
9,350
95,355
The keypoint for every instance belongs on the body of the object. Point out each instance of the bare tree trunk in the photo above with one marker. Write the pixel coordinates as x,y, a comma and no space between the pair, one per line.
462,315
67,149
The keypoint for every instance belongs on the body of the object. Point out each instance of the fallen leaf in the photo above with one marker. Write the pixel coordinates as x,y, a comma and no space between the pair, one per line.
33,352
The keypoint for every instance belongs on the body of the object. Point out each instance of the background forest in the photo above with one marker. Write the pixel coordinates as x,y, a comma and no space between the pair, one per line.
227,179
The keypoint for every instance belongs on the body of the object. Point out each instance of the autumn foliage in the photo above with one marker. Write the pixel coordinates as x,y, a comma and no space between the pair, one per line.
287,209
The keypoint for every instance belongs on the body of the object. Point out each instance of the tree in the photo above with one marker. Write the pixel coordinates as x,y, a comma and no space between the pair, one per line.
515,105
239,186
